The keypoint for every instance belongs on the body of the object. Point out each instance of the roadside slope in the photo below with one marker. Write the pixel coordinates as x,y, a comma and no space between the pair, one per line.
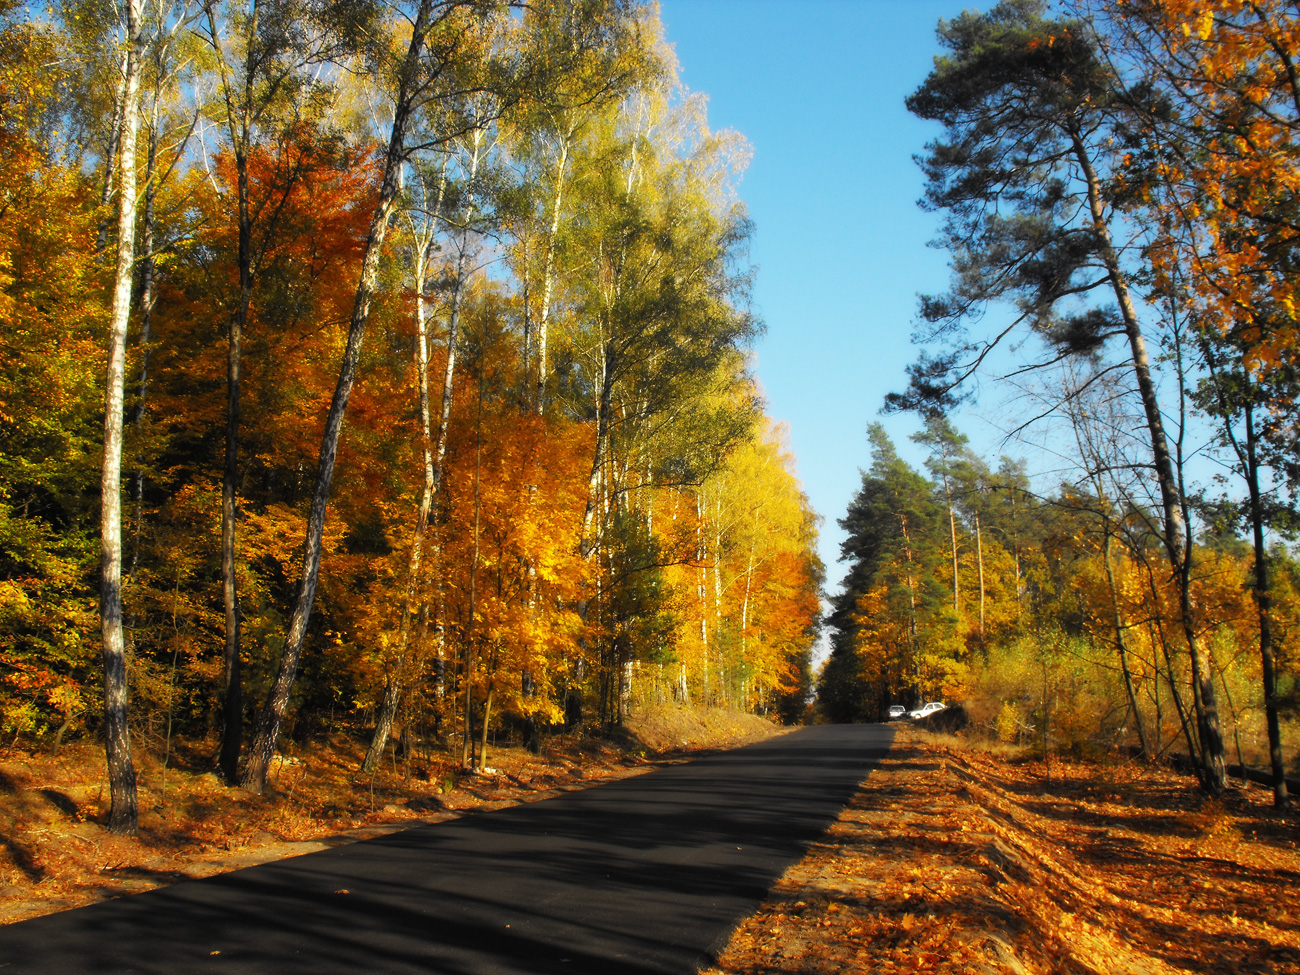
55,853
952,860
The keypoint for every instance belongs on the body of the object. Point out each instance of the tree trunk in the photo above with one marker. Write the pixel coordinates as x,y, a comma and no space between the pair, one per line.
268,730
1090,452
453,318
1263,604
548,274
1247,456
1121,644
123,814
749,579
467,730
586,544
114,140
1214,773
911,596
979,561
483,732
233,709
720,675
1193,743
952,536
146,330
471,629
702,586
242,109
432,477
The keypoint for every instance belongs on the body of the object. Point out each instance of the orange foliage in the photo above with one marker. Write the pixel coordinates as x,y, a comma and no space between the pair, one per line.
1225,184
50,402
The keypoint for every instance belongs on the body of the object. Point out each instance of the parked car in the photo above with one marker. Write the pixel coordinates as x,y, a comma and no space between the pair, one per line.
895,712
926,710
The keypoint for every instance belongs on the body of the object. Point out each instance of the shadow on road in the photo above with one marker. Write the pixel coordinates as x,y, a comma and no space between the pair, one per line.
641,875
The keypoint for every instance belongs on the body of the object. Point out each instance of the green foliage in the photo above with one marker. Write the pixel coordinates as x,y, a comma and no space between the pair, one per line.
1047,671
50,402
1022,97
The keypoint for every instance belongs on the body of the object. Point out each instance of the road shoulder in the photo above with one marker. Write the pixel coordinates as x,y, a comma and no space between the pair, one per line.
950,859
55,853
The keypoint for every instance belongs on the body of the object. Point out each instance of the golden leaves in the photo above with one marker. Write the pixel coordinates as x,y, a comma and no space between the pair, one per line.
990,867
1238,96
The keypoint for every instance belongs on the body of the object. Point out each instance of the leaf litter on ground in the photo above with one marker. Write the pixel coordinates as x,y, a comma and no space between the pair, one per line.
954,859
55,853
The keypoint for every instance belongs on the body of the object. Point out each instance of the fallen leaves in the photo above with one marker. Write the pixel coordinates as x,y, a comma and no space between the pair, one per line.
950,860
55,853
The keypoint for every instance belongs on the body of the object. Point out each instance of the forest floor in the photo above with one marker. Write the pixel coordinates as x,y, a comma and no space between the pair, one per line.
55,853
958,859
951,857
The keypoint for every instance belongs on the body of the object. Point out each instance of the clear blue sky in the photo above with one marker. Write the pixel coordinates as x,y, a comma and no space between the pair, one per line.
817,87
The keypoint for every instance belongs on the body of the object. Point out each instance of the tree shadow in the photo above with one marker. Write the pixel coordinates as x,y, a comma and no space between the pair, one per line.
23,859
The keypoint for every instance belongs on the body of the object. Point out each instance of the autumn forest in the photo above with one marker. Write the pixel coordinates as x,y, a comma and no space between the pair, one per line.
1117,189
387,367
428,402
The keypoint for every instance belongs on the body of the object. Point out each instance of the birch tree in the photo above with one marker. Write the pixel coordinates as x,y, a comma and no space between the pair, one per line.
616,52
413,73
264,54
473,149
458,62
123,814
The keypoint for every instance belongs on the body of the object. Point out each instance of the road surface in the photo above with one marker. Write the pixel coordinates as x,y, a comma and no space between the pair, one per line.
642,876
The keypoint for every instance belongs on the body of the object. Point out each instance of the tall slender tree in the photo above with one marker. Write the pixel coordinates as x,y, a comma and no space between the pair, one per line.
467,234
263,56
1241,402
1031,121
413,72
123,814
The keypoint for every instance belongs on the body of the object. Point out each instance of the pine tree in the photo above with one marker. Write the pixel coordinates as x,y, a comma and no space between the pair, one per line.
1032,119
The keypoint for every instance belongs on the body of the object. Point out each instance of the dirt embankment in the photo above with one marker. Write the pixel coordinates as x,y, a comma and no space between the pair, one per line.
55,853
954,860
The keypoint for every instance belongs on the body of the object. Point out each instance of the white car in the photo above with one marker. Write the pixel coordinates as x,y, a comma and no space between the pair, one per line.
896,711
926,710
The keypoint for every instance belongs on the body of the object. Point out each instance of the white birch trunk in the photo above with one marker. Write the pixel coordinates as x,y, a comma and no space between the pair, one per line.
263,748
123,814
111,150
395,685
979,559
548,272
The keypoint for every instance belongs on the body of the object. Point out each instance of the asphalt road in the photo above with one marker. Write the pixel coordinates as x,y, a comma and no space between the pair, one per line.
642,875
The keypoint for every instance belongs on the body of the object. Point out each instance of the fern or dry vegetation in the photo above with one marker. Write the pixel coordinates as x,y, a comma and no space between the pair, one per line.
55,852
955,858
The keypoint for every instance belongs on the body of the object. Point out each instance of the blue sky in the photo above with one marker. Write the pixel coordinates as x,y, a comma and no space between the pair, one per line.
817,87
